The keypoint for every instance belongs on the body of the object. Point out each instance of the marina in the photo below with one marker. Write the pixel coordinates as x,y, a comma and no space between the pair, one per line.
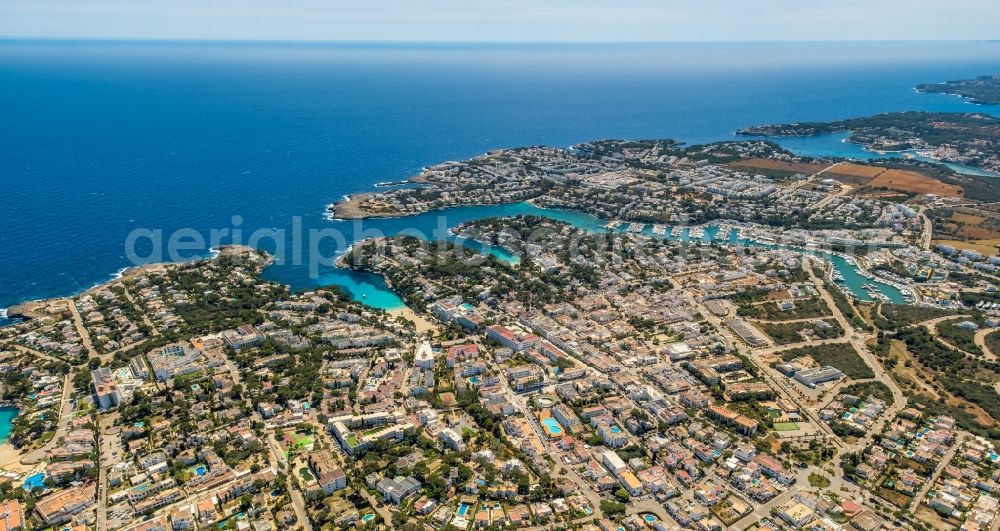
372,291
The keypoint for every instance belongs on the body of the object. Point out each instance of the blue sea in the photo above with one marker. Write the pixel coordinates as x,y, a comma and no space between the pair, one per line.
98,139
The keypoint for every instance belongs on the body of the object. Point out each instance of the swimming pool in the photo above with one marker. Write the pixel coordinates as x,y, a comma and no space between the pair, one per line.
615,429
463,508
552,426
649,518
368,517
200,471
34,481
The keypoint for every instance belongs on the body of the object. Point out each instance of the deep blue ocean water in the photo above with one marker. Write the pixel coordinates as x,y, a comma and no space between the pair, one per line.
99,139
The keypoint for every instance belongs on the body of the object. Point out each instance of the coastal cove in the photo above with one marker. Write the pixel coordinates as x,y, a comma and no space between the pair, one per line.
273,131
372,290
7,416
837,145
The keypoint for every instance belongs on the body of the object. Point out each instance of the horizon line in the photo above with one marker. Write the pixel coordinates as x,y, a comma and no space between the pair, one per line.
154,40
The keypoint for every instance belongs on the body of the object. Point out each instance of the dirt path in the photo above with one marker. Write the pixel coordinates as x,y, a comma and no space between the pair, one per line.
980,340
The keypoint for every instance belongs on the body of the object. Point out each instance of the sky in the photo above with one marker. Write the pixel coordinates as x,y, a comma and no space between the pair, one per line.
502,20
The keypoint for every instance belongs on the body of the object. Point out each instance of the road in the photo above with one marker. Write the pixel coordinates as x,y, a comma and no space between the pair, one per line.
937,472
107,358
35,353
649,506
107,446
926,231
377,505
788,389
558,469
145,318
799,184
844,189
932,327
277,457
859,342
763,510
80,329
65,412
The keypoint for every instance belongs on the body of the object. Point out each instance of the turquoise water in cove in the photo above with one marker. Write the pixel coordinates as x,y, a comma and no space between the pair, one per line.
372,290
834,145
7,415
98,139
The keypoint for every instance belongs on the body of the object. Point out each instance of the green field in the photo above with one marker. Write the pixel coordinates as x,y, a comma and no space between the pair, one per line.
785,426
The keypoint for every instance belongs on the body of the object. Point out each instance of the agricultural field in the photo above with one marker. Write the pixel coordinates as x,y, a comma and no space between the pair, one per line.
908,181
983,247
769,166
860,173
967,219
967,229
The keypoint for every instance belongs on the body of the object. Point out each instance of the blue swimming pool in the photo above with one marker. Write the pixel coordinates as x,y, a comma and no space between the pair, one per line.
615,429
463,508
34,481
200,471
552,425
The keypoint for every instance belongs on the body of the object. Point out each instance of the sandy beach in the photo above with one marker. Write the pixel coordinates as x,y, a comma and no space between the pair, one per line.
10,459
422,325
